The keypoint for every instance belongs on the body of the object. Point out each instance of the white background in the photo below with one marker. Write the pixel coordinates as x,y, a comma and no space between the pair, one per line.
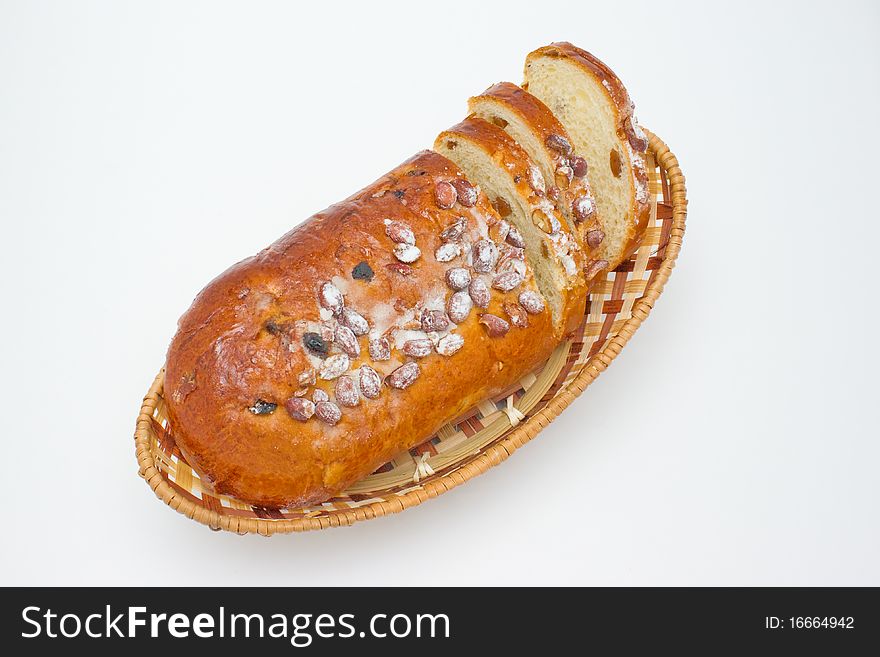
144,147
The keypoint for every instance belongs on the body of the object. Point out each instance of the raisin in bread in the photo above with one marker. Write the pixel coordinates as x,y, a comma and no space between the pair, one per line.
593,105
534,127
357,335
491,158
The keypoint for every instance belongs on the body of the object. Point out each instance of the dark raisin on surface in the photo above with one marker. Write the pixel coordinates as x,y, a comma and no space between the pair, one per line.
274,327
398,193
416,172
261,407
516,179
362,272
315,344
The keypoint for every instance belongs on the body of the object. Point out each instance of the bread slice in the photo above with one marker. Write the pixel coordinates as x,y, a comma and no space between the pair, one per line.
491,158
534,127
593,105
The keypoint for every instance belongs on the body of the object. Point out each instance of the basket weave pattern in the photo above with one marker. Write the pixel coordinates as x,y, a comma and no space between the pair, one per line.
480,439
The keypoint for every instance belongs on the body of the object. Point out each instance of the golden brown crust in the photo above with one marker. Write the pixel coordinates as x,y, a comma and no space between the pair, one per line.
510,157
242,343
528,107
547,129
627,130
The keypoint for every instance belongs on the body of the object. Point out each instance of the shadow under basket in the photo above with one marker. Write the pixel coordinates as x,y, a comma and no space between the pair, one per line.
482,438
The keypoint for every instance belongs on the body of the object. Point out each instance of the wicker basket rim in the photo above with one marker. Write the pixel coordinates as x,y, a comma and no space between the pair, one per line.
492,456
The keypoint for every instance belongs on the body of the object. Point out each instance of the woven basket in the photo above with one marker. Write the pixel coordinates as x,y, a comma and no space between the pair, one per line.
475,442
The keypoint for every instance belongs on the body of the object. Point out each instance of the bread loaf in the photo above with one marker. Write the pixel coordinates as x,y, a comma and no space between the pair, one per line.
593,105
365,329
359,333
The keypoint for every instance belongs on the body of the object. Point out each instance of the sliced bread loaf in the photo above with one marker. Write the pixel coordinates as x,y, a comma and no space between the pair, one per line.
534,127
491,158
593,105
